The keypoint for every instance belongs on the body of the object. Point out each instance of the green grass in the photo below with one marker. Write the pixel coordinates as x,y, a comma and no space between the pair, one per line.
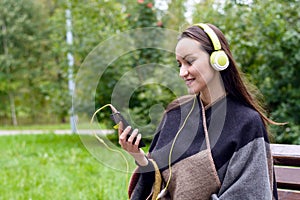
56,167
49,127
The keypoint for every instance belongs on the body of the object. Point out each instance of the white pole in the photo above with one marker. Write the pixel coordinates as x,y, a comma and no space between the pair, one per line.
71,84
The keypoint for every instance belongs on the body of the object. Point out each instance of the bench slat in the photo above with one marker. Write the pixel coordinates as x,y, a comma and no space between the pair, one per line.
284,154
289,161
287,170
288,194
288,177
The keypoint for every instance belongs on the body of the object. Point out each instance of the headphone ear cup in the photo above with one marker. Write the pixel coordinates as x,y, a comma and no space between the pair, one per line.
219,60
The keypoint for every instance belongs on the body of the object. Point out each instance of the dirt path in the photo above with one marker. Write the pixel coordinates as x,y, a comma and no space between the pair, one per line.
18,132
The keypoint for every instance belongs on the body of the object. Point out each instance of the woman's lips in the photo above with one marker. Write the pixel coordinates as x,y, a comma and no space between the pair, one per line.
188,82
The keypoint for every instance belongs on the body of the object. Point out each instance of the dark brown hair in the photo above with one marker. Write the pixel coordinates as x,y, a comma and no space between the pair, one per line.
232,77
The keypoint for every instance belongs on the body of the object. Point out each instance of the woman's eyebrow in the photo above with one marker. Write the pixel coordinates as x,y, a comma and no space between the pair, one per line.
186,56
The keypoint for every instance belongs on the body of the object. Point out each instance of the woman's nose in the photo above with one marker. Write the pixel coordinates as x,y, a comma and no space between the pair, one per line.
183,71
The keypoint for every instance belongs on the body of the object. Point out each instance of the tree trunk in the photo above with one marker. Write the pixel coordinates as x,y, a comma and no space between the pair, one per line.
13,108
10,94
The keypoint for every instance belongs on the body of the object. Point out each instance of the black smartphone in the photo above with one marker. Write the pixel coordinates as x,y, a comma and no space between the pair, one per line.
117,118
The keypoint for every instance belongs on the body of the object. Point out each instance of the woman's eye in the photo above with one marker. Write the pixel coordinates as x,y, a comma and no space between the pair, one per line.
189,62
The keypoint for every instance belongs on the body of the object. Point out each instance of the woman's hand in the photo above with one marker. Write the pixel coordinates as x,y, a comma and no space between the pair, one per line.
130,146
127,144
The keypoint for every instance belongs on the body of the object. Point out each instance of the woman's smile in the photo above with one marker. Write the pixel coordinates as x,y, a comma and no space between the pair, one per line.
189,81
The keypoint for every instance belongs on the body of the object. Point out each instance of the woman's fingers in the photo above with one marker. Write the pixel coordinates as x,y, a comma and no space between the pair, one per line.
138,139
120,128
134,140
132,136
130,143
123,135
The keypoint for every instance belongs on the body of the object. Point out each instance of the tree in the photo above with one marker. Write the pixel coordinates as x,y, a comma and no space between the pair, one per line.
92,22
173,17
21,39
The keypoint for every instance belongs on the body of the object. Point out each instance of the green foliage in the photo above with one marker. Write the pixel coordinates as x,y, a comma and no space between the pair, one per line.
264,37
173,17
55,167
142,14
93,22
22,41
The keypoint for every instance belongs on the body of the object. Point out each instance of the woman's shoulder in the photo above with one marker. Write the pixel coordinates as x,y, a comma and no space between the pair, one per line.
242,112
244,122
242,126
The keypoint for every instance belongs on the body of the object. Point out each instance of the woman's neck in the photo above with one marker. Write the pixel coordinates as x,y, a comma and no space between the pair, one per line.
213,92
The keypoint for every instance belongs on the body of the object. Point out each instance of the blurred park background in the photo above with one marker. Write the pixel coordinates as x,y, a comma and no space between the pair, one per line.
35,73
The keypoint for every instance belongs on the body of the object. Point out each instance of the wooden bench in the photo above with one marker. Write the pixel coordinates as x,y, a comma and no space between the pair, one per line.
287,170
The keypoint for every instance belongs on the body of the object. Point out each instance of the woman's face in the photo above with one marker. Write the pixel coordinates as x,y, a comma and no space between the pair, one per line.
194,65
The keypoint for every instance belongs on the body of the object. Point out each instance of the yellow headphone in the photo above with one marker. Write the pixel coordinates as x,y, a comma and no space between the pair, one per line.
218,59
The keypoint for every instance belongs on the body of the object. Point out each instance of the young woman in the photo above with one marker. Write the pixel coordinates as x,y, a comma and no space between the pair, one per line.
212,144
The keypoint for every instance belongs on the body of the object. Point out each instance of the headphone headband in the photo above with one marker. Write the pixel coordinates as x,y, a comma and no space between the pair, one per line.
212,35
218,59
